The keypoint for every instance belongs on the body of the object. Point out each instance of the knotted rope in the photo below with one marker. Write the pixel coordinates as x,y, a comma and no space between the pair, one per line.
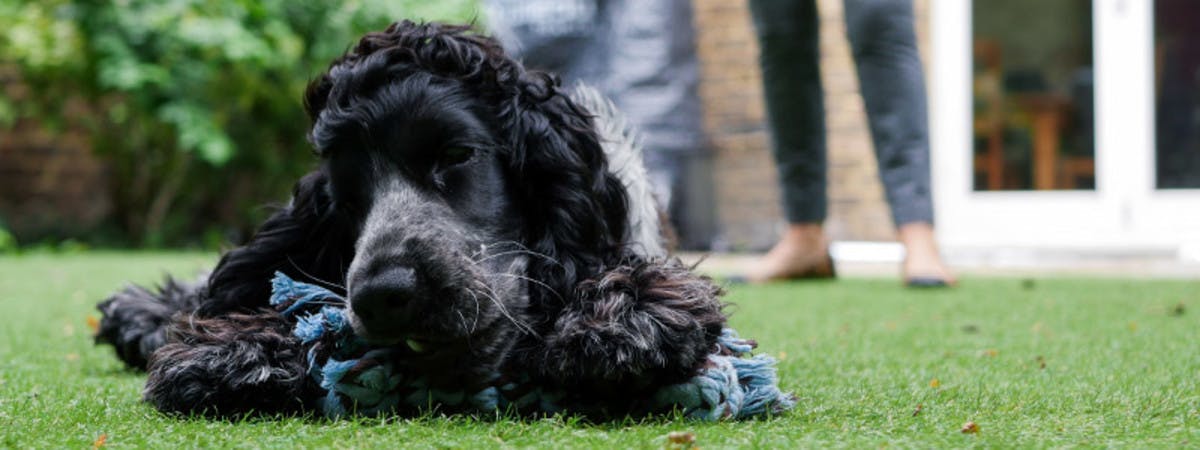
363,379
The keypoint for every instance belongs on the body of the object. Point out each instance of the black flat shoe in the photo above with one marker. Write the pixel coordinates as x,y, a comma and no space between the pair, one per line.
824,271
926,282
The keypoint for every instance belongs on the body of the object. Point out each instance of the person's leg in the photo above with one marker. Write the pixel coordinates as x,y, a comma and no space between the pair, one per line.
893,88
788,39
565,37
923,265
653,78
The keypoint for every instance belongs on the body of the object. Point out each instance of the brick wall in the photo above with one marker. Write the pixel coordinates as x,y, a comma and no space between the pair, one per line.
50,182
746,189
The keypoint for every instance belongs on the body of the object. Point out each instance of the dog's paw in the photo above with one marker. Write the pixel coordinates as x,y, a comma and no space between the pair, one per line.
229,366
648,324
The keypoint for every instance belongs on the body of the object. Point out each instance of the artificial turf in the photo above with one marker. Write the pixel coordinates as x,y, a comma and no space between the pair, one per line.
1032,362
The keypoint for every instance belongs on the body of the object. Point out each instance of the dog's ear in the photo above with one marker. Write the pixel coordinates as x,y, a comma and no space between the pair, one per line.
305,239
576,210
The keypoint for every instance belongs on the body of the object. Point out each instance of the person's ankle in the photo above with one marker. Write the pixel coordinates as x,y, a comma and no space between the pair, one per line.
800,252
916,233
805,235
922,258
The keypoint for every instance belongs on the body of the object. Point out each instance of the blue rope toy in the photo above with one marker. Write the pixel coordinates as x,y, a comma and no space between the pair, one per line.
359,378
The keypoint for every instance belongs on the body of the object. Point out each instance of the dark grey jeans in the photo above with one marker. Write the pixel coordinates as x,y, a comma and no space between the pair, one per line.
889,72
640,53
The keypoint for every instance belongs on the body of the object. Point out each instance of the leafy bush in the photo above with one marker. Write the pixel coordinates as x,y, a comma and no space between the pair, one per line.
8,243
193,104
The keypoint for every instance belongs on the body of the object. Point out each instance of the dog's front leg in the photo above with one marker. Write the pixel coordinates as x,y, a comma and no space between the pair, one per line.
230,366
647,324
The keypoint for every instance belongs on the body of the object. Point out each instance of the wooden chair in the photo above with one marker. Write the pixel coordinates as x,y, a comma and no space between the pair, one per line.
1047,112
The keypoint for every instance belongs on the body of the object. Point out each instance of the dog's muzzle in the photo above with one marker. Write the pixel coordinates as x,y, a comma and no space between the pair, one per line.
382,301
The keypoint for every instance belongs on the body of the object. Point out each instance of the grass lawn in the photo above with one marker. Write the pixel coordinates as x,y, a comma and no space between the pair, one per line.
1046,362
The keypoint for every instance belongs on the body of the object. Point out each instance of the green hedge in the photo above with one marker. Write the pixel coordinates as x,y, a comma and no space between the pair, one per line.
194,104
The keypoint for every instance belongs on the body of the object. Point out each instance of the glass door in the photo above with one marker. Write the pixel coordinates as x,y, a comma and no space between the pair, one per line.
1032,95
1066,123
1177,94
1014,95
1165,197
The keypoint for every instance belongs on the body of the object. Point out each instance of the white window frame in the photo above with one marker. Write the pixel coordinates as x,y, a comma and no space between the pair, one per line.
1124,212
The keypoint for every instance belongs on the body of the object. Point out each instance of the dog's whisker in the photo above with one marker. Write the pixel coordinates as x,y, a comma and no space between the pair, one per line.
328,302
515,252
520,248
463,319
327,284
507,242
475,322
521,325
534,281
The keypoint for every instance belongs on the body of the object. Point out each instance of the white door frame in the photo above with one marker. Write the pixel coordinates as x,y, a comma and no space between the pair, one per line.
1124,212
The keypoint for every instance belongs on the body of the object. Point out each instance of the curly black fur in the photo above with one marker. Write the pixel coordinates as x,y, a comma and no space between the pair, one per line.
479,195
632,326
134,319
228,366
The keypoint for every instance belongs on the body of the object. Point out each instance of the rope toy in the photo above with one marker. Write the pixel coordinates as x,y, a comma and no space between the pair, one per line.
359,378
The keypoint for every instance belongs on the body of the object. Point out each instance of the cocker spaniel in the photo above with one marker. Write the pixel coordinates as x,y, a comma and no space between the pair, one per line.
476,215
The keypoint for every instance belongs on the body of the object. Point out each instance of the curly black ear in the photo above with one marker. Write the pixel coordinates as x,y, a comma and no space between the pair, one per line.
305,234
576,209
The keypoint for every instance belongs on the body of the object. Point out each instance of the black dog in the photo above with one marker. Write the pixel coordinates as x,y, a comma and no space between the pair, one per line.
471,211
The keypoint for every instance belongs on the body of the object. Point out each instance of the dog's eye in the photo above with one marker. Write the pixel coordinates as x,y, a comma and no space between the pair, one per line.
453,156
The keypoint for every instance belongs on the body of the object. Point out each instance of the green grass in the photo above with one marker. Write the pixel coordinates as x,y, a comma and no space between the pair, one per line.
1121,368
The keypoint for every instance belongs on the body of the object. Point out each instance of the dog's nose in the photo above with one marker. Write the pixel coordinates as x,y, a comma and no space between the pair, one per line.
381,300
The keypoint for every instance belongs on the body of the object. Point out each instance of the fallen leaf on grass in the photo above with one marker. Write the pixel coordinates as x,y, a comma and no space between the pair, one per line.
1042,330
1178,310
93,323
99,442
934,383
681,438
989,353
970,428
1132,326
918,410
72,357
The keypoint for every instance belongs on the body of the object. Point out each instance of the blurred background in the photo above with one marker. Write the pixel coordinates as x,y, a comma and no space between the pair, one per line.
1063,130
164,123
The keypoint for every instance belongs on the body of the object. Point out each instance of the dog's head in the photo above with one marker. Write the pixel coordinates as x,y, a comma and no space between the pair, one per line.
478,190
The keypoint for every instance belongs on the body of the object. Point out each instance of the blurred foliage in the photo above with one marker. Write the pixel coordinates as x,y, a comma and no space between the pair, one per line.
193,104
8,243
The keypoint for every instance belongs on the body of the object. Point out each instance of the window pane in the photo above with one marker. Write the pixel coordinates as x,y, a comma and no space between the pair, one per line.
1177,92
1033,83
